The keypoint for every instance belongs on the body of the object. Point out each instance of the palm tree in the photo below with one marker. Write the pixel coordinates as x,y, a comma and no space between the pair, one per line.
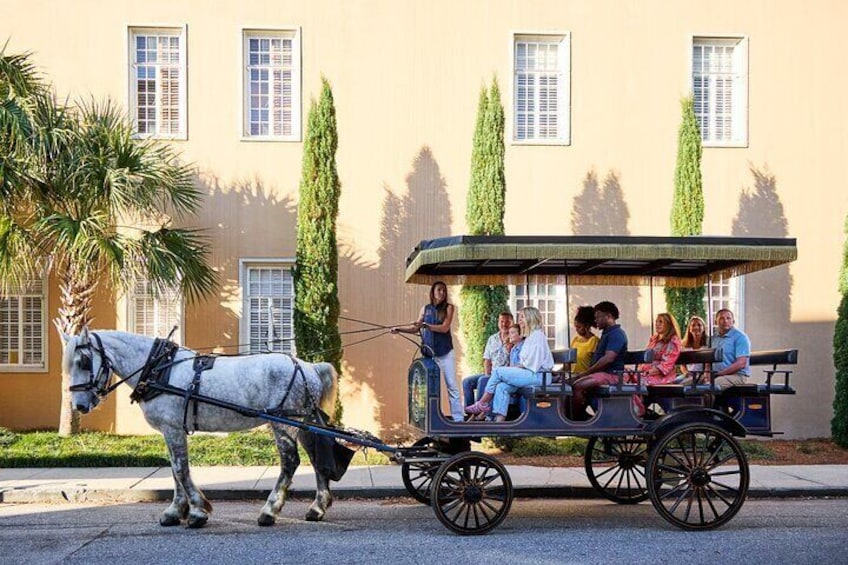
96,204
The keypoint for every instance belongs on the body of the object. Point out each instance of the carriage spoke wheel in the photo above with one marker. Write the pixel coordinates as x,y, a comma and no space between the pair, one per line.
616,468
471,493
417,477
698,477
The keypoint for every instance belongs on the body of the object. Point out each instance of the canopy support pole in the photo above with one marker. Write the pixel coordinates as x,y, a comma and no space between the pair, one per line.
567,310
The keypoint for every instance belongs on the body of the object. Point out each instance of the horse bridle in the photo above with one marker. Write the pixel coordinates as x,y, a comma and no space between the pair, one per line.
99,383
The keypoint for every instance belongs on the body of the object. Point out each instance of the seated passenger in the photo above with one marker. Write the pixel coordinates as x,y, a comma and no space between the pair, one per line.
665,343
496,354
515,343
734,367
535,358
694,339
607,361
585,342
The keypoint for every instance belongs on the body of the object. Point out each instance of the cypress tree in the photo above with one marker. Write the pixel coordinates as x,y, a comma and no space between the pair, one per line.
839,423
687,209
316,302
484,216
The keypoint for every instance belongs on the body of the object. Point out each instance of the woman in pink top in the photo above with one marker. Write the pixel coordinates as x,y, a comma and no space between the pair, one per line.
665,342
666,345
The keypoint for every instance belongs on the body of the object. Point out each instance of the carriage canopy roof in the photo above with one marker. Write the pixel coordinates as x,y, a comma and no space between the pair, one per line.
593,260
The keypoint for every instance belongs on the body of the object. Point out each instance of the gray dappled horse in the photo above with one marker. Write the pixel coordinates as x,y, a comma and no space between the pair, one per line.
256,381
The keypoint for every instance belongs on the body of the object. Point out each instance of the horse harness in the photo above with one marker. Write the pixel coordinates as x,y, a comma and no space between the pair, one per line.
155,377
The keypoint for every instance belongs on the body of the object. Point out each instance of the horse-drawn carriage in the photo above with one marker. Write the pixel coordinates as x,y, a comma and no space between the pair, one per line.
683,454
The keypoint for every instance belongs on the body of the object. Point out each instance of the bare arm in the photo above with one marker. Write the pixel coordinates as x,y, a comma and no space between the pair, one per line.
413,327
487,366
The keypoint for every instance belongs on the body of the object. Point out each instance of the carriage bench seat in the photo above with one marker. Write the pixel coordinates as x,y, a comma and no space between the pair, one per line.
563,359
774,358
632,360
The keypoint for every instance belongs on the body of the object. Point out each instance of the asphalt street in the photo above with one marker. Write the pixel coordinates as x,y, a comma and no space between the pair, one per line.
397,531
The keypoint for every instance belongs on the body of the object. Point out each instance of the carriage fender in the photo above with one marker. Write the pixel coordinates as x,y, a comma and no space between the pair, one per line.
696,415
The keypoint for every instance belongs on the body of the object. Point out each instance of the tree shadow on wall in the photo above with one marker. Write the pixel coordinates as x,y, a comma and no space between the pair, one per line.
768,294
245,218
422,212
600,209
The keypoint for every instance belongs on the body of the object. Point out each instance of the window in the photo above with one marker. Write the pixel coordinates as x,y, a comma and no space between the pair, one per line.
158,82
541,89
550,300
22,328
272,85
727,292
155,316
720,88
268,293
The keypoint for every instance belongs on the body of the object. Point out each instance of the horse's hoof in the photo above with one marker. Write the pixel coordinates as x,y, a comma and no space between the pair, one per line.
197,521
266,520
314,515
169,520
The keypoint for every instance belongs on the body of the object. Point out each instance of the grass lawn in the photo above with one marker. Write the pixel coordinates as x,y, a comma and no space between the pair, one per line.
97,449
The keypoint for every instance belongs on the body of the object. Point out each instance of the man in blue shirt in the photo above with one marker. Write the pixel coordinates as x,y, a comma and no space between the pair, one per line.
608,359
735,367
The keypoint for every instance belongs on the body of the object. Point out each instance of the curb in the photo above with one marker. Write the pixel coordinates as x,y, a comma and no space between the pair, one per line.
82,495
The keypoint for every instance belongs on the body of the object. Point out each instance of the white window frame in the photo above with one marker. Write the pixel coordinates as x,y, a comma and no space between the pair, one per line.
132,77
20,294
244,320
159,305
740,98
556,332
563,39
727,293
292,33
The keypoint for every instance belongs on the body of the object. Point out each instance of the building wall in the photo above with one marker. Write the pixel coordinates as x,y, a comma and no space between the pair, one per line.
406,78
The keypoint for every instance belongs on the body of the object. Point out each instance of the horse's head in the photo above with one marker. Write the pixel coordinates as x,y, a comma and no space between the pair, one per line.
88,369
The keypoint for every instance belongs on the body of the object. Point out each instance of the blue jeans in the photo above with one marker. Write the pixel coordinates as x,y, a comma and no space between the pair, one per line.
469,387
506,381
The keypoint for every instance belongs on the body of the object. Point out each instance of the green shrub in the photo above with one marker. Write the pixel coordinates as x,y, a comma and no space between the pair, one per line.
839,423
757,450
7,437
316,300
687,209
541,446
484,215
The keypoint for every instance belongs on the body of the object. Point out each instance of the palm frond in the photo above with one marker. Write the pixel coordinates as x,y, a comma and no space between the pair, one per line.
174,257
20,259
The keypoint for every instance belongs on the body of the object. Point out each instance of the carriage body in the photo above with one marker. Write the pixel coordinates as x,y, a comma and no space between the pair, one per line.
629,458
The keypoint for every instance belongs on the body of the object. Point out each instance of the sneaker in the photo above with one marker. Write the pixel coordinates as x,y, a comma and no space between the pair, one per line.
478,407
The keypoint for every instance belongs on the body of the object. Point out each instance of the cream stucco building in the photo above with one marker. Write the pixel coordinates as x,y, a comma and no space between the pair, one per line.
591,92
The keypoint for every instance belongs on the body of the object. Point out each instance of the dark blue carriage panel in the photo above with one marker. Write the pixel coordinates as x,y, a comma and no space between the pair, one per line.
423,384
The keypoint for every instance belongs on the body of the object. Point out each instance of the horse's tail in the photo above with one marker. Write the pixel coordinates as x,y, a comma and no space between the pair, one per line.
329,386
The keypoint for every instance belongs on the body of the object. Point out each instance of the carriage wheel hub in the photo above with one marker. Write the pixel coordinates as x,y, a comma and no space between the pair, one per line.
472,494
699,477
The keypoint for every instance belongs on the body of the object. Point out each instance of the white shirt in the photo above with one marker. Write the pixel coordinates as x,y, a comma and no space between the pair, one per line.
496,351
535,353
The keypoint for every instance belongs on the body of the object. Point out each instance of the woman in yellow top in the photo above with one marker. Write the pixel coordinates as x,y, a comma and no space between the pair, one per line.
585,342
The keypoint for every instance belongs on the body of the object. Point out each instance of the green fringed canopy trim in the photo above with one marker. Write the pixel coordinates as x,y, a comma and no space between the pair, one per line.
586,260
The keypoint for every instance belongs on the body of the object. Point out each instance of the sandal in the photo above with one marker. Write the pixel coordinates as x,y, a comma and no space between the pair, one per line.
477,408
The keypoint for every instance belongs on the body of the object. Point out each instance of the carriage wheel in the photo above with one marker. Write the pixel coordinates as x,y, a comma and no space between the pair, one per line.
698,476
616,468
417,477
471,493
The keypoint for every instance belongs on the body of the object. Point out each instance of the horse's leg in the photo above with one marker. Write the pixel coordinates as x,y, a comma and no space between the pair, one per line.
323,496
178,509
185,491
289,461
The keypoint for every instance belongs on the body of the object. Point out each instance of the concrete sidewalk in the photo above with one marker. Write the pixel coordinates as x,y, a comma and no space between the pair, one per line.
141,484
